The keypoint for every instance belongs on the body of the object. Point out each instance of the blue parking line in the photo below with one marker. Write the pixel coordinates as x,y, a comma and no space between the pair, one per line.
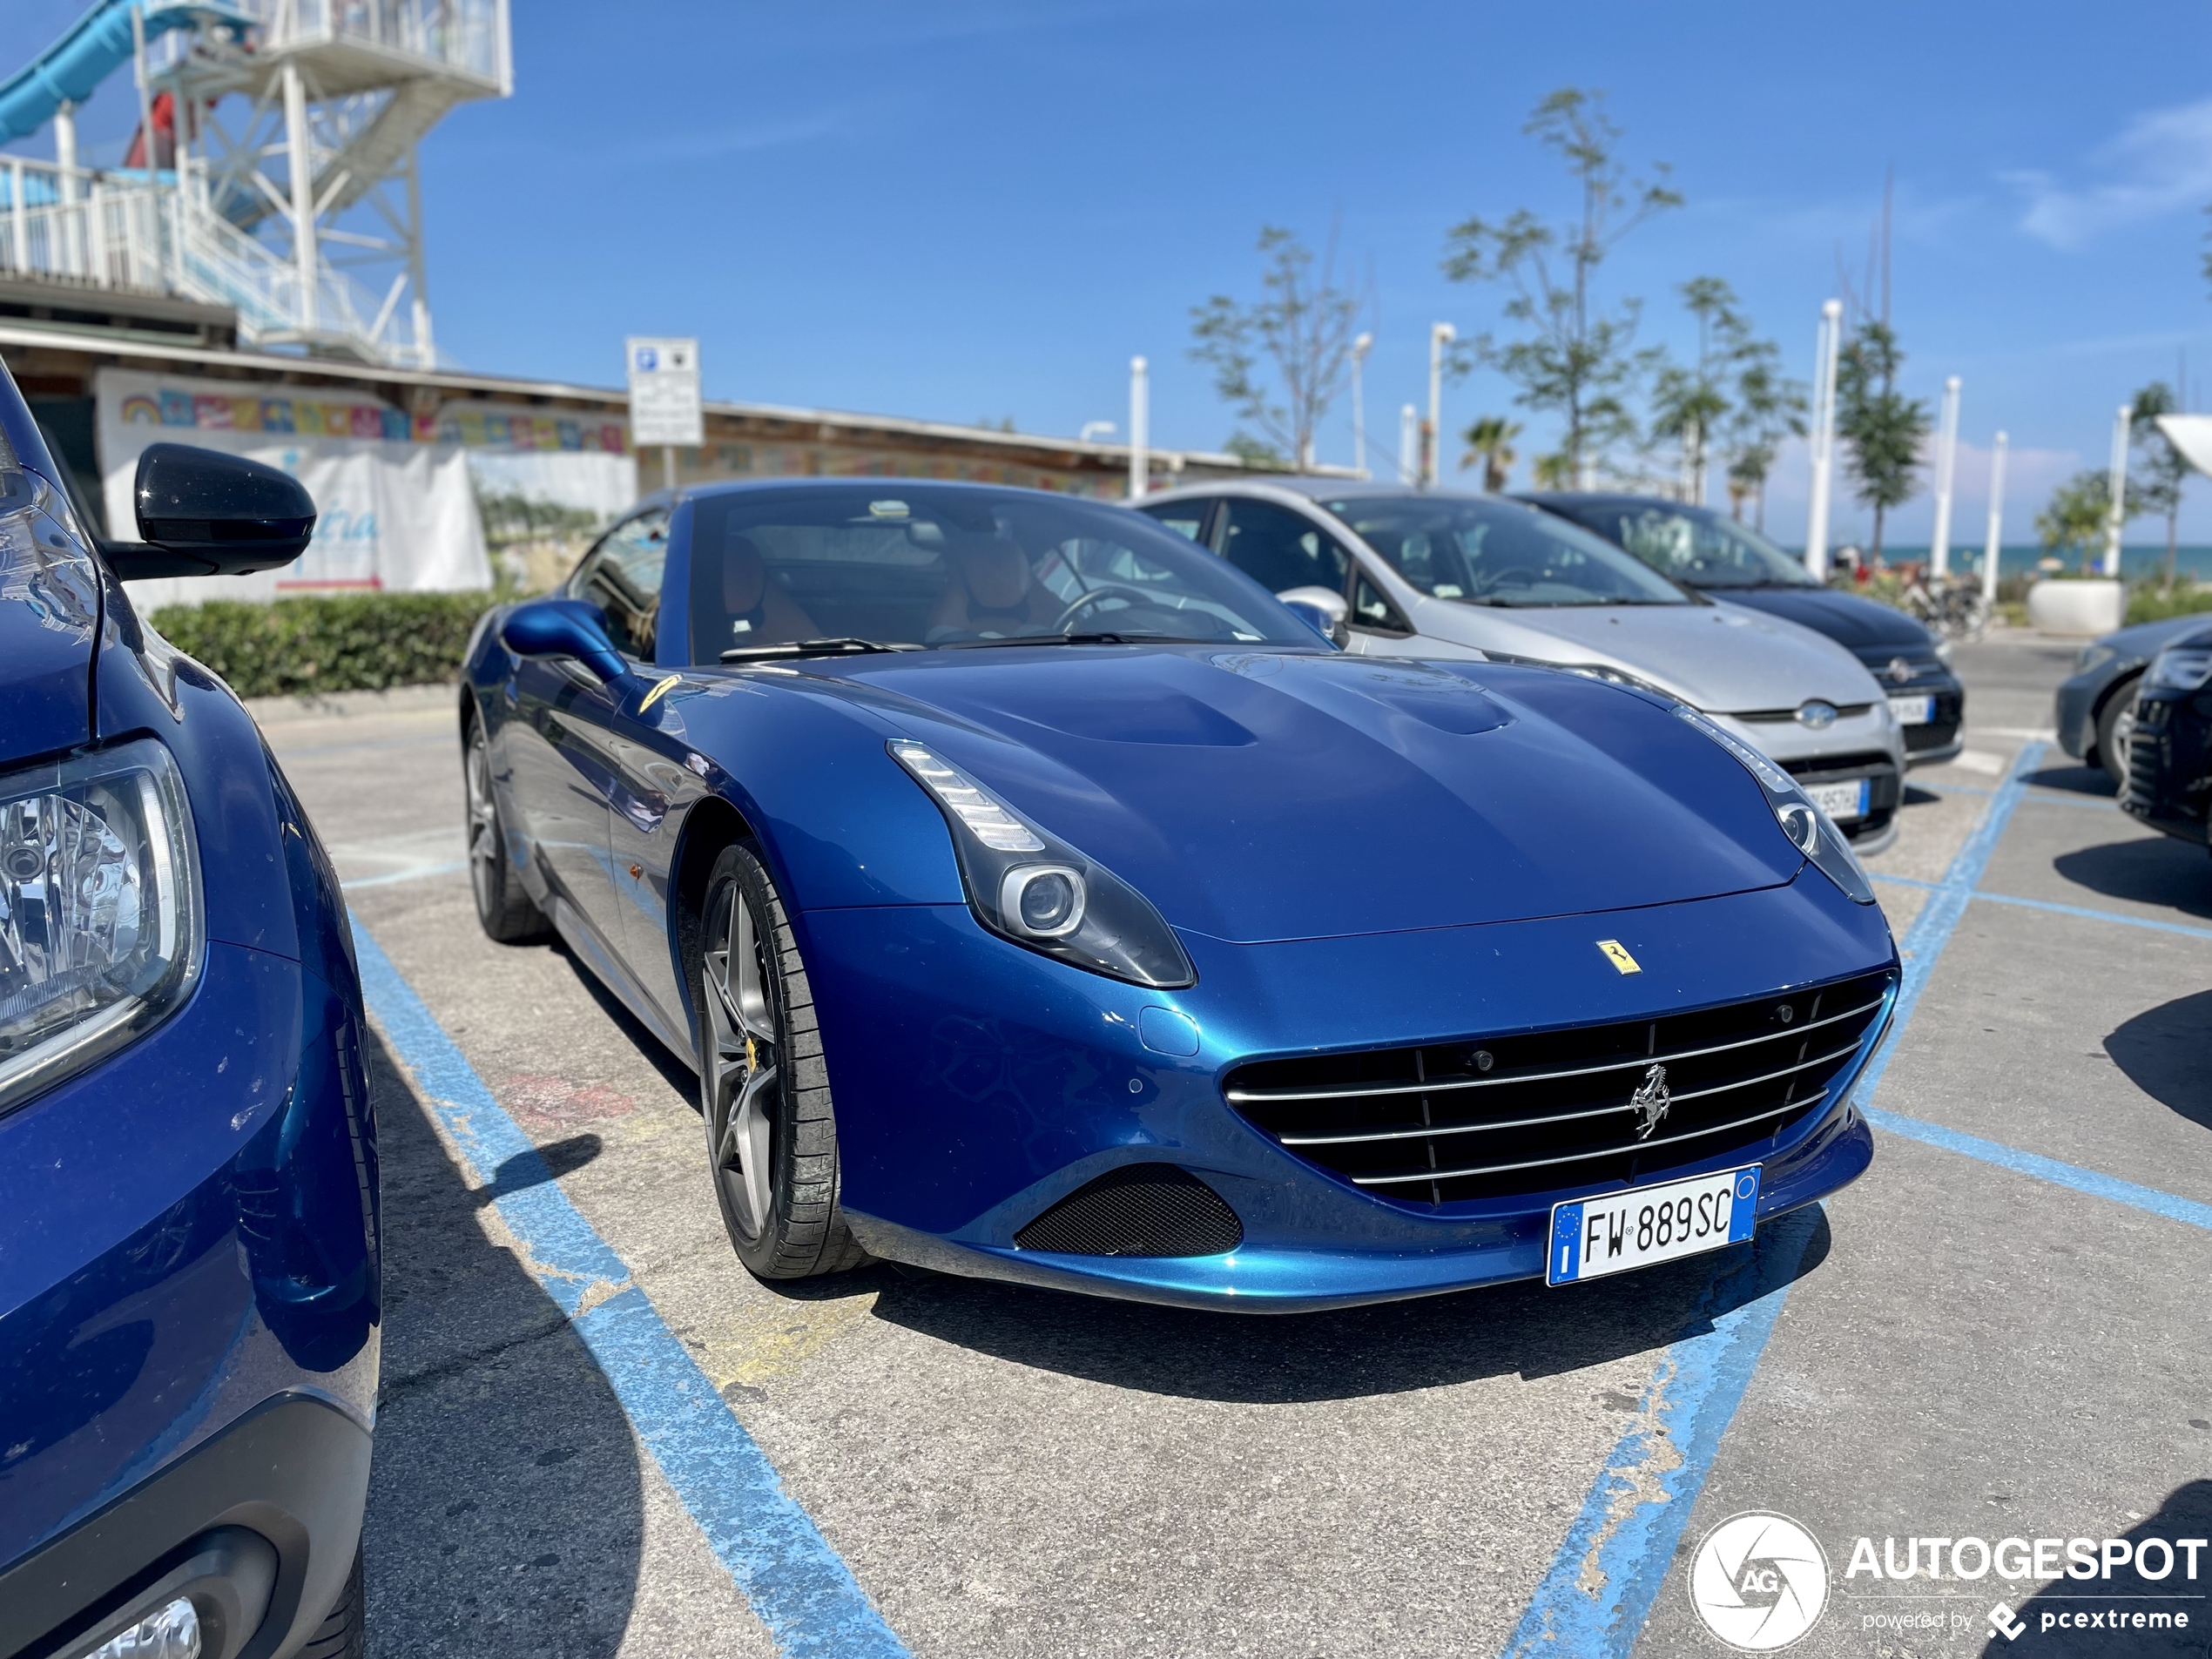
2088,914
418,872
2064,1175
1593,1600
795,1580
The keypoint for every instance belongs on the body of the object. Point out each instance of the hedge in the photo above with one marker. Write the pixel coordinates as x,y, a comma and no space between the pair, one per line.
365,641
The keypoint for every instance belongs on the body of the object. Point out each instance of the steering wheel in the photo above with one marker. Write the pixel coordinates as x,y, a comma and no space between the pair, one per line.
1083,602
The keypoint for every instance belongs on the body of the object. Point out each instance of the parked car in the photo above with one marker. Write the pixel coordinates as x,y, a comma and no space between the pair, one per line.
1719,556
2095,710
1438,573
189,1265
2169,768
1038,899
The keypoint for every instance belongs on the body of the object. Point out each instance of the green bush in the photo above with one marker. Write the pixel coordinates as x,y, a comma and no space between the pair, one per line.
2152,601
355,641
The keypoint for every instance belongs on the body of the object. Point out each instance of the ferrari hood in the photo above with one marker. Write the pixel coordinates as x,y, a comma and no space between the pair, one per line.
1255,796
1721,658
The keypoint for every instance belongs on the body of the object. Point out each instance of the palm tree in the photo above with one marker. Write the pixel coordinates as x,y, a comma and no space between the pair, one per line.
1490,440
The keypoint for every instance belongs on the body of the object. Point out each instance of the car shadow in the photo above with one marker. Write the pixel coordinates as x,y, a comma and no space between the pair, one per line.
505,1510
1389,1348
2160,871
2074,780
678,1075
2167,1053
2187,1512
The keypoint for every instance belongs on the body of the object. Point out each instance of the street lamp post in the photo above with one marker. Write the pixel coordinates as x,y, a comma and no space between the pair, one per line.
1441,334
1409,444
1140,415
2118,515
1946,459
1996,520
1360,347
1823,437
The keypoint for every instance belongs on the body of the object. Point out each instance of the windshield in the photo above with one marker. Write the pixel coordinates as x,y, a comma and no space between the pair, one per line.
1694,545
900,564
1499,553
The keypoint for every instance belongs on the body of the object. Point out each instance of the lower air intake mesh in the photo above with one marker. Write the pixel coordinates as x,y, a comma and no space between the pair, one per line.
1139,1209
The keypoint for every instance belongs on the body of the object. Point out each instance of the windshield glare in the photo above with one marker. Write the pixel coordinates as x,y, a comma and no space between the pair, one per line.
1694,545
1499,553
906,564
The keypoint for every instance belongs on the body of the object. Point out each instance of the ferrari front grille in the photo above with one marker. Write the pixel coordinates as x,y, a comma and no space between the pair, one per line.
1577,1109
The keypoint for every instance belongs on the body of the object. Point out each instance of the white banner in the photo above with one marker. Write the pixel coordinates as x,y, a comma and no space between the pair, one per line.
394,514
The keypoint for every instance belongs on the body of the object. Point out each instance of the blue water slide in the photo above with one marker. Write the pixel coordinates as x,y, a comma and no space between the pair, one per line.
97,46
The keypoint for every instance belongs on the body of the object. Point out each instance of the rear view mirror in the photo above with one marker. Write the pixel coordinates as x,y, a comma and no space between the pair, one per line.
1321,609
204,513
562,628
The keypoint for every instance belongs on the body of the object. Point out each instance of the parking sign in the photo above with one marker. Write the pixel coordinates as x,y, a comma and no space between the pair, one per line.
664,392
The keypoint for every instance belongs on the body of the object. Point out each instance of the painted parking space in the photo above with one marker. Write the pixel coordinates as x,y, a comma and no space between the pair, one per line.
1006,1471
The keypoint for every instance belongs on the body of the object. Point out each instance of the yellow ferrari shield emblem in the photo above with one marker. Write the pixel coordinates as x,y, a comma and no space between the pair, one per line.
1617,954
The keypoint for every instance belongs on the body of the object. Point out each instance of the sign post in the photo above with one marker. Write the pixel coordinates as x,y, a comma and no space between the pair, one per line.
664,405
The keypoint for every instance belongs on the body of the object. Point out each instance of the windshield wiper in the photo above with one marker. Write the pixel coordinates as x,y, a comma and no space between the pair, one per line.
810,648
1077,639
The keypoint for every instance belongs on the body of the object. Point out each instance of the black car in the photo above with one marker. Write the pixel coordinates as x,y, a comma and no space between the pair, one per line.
2095,710
1713,553
2170,752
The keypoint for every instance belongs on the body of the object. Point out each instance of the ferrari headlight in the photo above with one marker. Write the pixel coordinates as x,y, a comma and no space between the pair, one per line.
1808,829
2179,668
1027,885
99,909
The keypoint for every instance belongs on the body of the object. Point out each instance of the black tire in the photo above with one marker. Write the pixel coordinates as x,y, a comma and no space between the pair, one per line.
2114,721
503,904
341,1634
763,1088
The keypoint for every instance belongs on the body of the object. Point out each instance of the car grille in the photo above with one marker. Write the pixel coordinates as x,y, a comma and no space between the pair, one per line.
1556,1111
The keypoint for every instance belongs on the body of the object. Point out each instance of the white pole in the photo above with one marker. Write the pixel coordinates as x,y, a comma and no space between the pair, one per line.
1140,429
145,92
1996,520
299,158
1946,459
19,215
1823,437
1441,334
2118,515
1360,347
1409,444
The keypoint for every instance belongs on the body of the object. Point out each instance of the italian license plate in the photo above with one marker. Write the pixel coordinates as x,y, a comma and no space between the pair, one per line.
1840,801
1913,711
1593,1236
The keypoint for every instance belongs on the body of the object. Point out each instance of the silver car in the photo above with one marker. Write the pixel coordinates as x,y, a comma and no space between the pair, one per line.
1401,572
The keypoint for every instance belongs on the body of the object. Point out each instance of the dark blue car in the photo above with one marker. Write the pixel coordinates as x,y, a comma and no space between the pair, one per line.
1039,899
1718,556
188,1179
2094,709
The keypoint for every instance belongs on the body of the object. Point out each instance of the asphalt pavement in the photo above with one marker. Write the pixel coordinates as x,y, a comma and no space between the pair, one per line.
599,1436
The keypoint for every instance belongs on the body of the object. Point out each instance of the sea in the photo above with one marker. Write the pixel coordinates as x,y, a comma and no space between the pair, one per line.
2136,562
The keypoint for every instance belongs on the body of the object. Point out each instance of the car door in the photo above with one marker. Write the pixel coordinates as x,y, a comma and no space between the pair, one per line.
562,752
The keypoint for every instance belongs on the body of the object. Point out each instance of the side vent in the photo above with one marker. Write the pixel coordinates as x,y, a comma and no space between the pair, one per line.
1139,1209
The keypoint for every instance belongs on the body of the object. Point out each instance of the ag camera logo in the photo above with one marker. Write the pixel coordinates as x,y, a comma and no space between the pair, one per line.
1759,1581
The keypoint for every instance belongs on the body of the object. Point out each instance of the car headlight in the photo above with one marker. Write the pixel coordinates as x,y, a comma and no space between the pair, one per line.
1613,676
1810,829
99,910
1027,885
2179,668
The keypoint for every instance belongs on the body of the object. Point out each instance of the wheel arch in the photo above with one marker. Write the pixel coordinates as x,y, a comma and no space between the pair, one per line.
711,825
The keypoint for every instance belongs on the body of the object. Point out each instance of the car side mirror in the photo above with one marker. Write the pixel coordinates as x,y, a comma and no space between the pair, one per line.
1321,609
559,627
204,513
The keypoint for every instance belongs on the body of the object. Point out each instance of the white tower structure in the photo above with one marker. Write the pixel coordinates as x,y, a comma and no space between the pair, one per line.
305,122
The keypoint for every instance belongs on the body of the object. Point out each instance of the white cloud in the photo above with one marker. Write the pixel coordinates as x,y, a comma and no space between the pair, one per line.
2161,164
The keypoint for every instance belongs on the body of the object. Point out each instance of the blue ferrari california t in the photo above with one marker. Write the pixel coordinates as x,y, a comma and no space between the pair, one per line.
1038,897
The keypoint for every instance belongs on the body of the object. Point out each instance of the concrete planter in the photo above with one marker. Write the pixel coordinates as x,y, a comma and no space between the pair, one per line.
2084,608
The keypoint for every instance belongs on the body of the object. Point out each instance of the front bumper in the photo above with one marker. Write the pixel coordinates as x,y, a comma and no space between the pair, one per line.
977,1085
2170,765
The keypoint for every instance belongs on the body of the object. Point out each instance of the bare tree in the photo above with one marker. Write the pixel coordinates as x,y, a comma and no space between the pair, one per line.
1303,328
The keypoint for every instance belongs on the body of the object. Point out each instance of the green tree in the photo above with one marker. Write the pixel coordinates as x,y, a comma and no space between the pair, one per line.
1731,400
1882,427
2154,482
2075,522
1573,358
1302,326
1490,442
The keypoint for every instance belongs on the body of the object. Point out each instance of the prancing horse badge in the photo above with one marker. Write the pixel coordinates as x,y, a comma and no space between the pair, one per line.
1617,954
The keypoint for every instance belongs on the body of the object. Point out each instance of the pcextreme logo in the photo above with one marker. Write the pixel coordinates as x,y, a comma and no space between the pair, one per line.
1758,1581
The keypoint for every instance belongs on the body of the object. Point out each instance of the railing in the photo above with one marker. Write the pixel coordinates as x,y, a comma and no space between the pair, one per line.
464,35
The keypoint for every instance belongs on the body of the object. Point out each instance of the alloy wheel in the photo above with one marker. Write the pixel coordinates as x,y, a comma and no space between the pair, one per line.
483,825
744,1069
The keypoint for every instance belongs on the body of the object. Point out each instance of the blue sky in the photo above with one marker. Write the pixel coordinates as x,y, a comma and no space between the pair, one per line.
984,209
